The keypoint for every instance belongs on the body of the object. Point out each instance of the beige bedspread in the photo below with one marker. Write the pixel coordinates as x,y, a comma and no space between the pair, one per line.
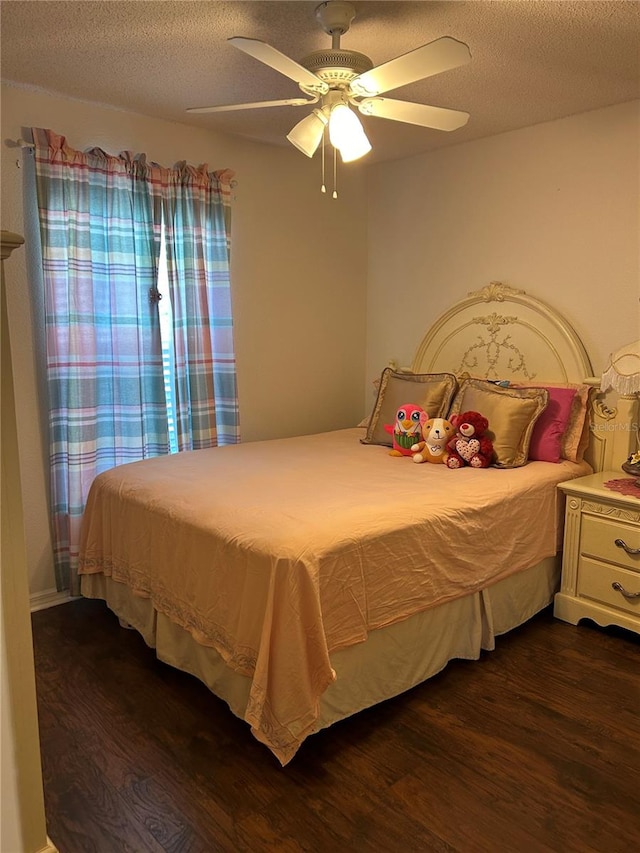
277,553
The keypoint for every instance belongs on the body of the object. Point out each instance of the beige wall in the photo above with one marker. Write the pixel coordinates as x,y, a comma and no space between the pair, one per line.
298,282
552,209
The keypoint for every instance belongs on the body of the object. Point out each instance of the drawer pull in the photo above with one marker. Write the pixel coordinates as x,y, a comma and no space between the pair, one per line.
619,588
622,544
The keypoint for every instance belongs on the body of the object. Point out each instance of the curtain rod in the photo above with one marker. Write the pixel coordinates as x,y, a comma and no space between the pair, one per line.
22,143
19,143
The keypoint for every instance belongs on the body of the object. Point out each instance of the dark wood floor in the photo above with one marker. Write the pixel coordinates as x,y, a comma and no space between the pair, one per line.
534,748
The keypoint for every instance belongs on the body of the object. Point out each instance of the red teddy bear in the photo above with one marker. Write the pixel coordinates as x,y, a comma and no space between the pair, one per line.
470,445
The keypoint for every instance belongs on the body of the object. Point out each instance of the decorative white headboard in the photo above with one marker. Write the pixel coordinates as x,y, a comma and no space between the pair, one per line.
503,333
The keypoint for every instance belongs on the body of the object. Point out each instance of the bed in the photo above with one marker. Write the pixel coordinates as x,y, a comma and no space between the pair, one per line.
305,579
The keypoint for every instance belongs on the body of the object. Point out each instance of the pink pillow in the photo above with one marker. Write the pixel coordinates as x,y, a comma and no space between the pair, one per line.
549,429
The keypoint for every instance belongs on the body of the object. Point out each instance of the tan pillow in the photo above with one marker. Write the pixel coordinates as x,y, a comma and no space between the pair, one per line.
585,438
376,387
511,412
576,437
431,391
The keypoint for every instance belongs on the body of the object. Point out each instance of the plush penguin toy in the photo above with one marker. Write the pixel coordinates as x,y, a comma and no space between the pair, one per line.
406,429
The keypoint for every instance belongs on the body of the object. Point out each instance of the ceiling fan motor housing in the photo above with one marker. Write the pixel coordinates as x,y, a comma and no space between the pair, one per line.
337,67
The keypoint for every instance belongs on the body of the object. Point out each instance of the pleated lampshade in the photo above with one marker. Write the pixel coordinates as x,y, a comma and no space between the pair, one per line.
623,371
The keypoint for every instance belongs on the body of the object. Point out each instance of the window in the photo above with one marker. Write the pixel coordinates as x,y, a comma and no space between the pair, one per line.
166,335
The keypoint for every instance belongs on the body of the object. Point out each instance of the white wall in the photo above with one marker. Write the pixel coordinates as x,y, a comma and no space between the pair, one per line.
298,273
551,209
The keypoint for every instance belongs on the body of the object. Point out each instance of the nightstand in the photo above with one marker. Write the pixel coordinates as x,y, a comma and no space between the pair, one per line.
601,559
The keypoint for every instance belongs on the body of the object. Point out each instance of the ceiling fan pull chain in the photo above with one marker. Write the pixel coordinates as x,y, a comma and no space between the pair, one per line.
335,173
323,188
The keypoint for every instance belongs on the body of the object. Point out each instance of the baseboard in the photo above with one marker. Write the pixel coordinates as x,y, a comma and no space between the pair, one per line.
48,598
50,847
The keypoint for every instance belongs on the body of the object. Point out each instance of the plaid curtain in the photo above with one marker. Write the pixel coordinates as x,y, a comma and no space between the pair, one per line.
100,231
196,207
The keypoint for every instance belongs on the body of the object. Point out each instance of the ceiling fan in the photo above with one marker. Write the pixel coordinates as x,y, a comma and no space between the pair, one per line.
339,79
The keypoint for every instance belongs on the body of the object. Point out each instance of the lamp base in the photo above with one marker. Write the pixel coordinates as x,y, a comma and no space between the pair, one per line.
632,466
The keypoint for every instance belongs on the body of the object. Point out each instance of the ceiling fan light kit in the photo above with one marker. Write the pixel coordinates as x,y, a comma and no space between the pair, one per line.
342,79
308,133
347,134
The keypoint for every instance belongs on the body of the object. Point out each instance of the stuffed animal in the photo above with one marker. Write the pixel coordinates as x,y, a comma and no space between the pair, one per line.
470,445
406,429
436,432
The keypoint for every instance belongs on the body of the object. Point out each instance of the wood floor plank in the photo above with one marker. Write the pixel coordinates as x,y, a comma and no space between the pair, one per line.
532,749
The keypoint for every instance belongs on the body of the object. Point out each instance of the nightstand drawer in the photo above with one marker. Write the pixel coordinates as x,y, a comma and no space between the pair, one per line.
598,538
595,582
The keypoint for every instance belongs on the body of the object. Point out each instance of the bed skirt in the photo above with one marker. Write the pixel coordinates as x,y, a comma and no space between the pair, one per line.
392,659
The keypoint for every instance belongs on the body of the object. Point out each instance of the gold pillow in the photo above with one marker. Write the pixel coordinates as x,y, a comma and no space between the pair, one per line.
511,412
433,392
576,437
376,387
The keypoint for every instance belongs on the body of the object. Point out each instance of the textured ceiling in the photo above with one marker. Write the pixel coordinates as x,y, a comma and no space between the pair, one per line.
531,61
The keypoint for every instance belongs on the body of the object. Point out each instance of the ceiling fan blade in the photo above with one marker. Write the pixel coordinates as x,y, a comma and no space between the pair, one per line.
256,105
272,57
433,58
438,118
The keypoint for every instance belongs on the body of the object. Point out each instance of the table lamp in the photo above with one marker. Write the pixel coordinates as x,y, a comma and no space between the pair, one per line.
623,375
